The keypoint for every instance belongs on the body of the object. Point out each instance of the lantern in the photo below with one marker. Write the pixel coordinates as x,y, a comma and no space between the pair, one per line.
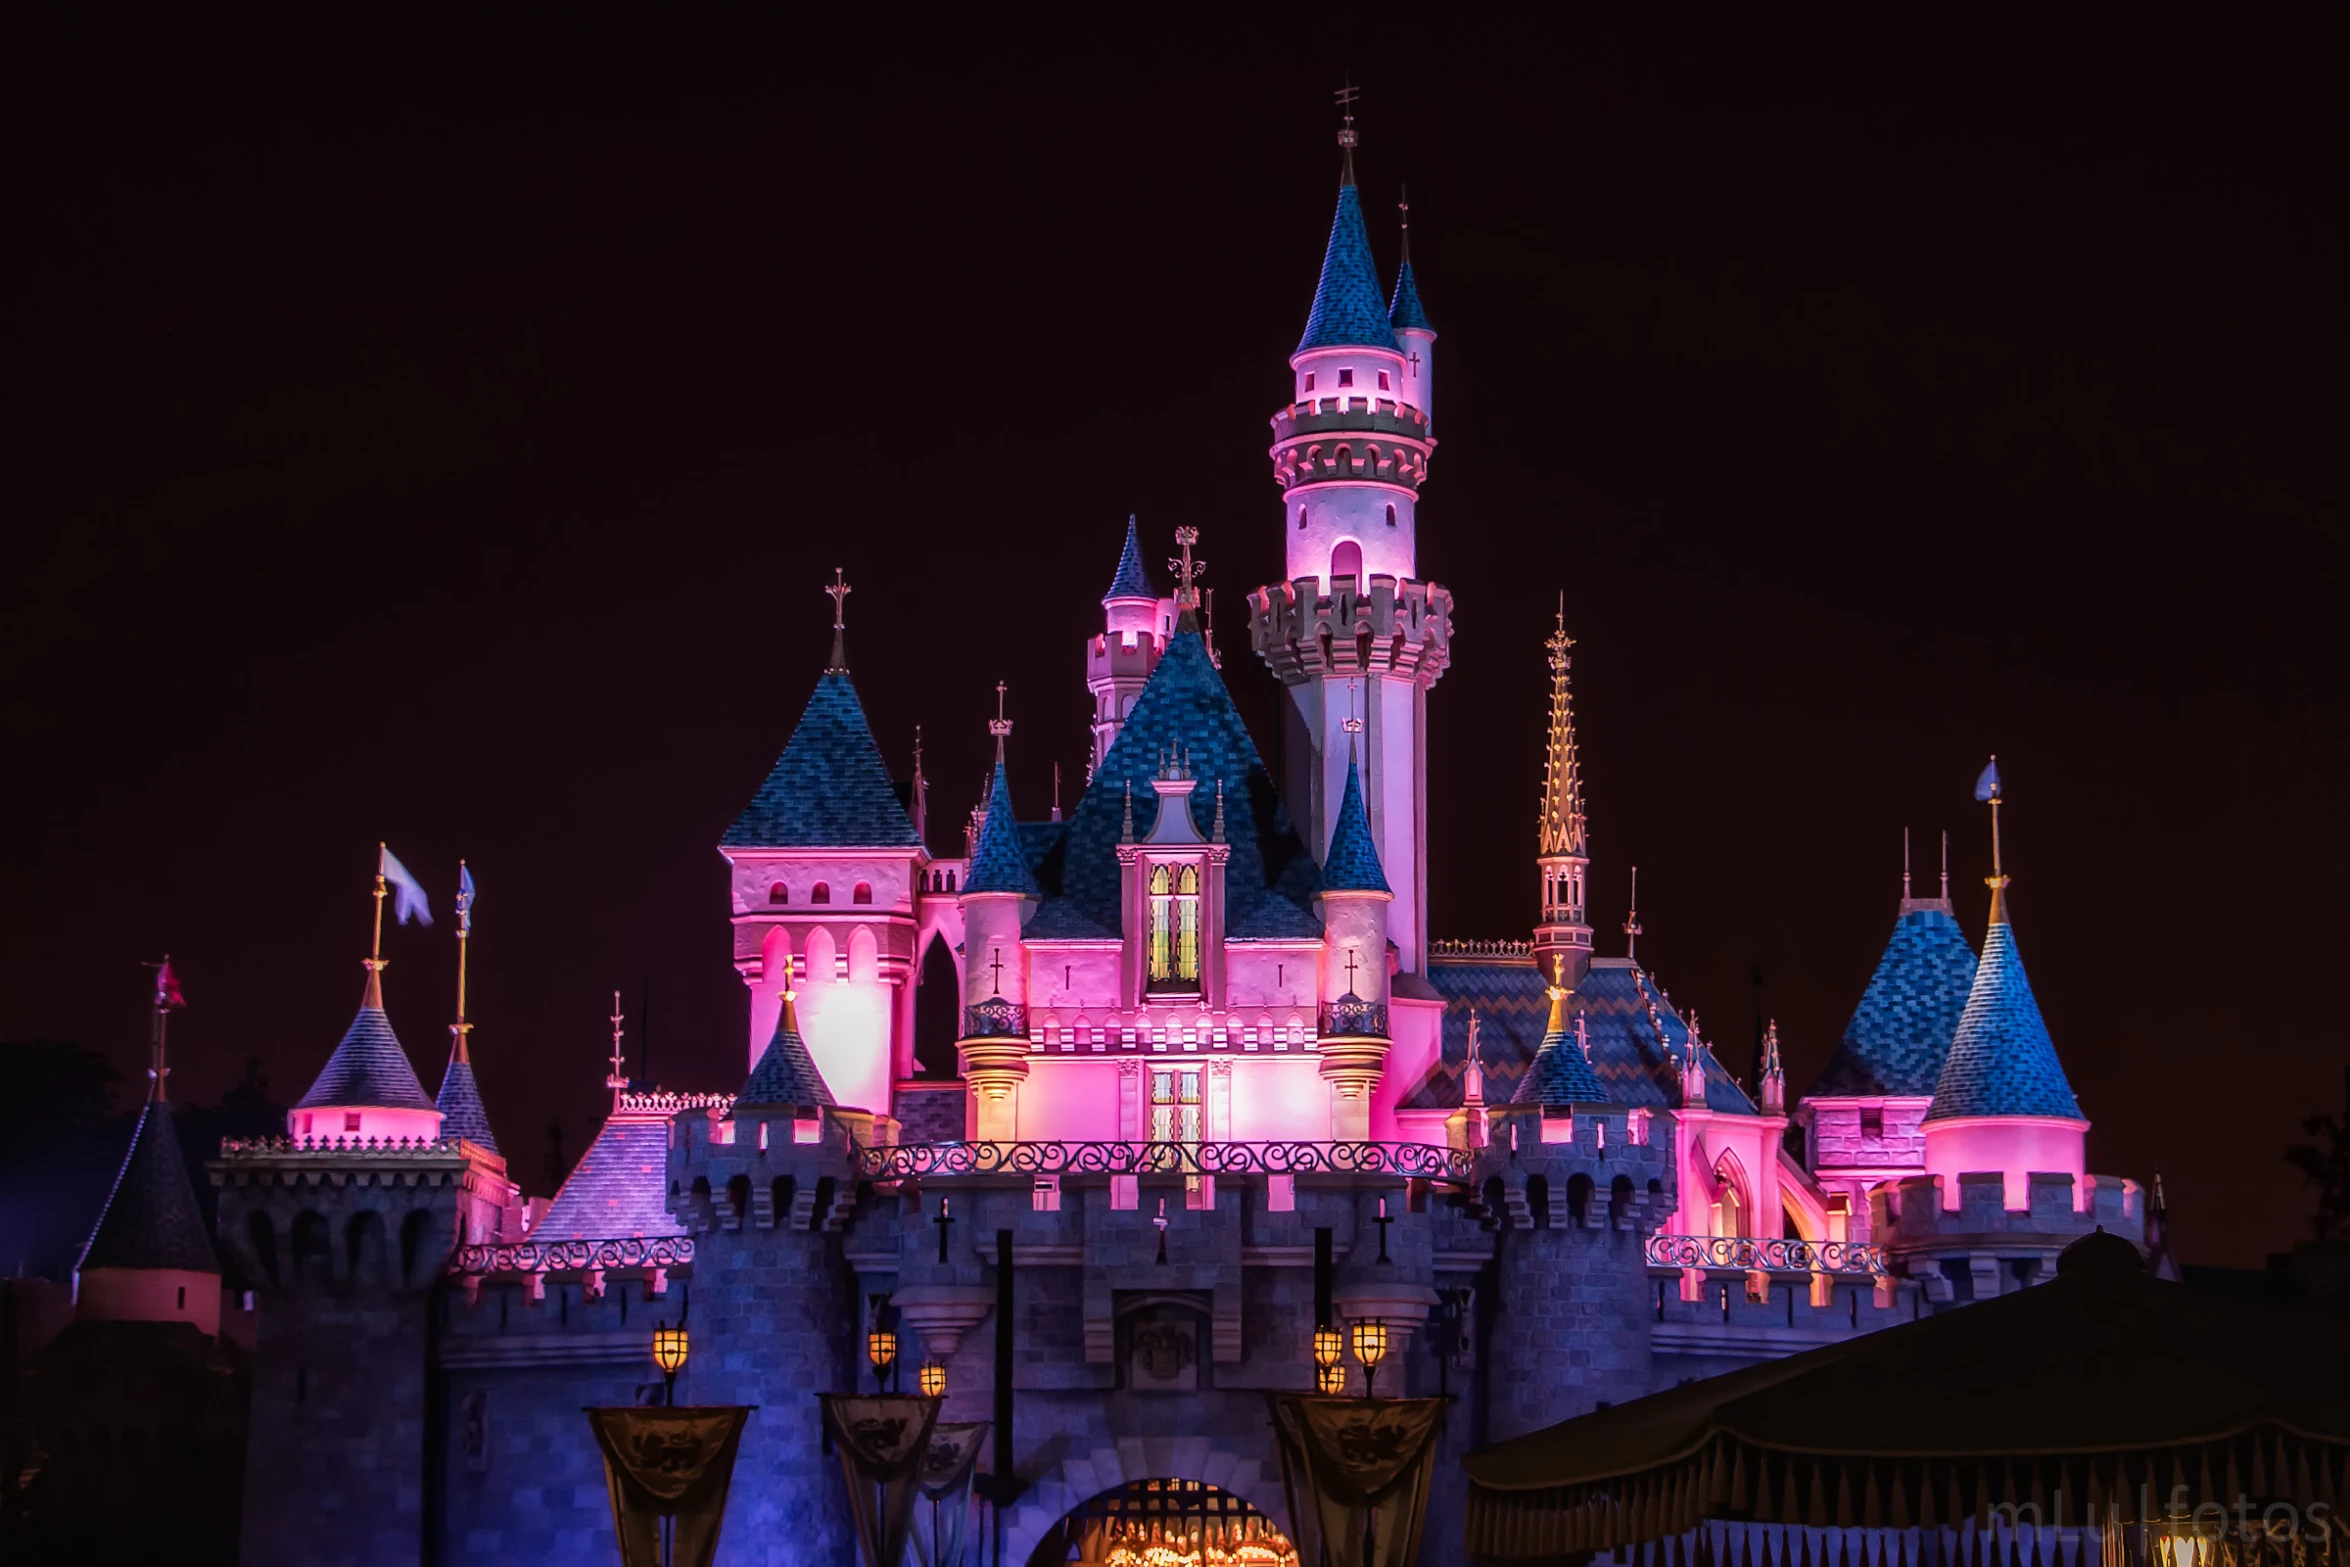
881,1348
669,1352
1330,1379
1370,1346
932,1379
1328,1346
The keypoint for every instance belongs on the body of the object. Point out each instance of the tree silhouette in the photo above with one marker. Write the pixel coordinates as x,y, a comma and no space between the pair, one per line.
2326,1164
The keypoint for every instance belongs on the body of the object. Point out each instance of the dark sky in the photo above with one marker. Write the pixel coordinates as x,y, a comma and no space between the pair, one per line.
441,432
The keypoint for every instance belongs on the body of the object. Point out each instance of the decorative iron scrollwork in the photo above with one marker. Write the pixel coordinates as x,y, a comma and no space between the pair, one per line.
995,1018
1769,1256
915,1161
666,1251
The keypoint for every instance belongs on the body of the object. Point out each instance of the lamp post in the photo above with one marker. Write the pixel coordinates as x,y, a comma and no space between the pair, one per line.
669,1352
1370,1346
932,1379
881,1348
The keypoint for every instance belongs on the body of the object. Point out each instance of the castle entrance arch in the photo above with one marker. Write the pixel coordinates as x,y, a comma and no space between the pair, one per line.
1163,1522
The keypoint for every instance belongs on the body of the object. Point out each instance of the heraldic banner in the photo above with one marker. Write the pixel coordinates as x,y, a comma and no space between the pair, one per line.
942,1519
1357,1471
883,1440
673,1464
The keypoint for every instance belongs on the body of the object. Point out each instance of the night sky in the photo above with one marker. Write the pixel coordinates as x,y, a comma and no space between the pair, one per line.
439,430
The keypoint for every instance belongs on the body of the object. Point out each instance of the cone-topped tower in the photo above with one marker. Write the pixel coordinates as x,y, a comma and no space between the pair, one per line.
1351,632
368,1090
1562,940
459,1101
1118,663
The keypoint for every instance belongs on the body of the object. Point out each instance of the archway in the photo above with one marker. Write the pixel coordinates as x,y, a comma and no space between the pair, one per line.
938,1012
1101,1467
1164,1523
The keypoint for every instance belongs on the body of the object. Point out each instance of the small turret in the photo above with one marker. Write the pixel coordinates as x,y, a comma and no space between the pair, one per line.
1774,1076
999,895
1118,663
1410,323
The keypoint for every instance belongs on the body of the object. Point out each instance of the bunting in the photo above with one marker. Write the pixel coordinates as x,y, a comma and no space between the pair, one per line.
883,1439
668,1470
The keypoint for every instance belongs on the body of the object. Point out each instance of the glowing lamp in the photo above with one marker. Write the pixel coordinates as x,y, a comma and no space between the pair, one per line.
669,1352
1370,1346
1330,1379
881,1348
1328,1346
2182,1542
932,1379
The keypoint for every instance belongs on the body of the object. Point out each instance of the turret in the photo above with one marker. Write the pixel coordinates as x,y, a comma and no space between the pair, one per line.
1350,632
999,895
2002,1102
1410,323
1562,939
1355,899
1119,662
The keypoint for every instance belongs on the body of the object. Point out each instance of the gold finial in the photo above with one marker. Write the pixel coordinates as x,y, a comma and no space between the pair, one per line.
999,726
618,1080
463,1049
1632,918
1348,137
1558,994
1987,790
375,946
838,593
1187,570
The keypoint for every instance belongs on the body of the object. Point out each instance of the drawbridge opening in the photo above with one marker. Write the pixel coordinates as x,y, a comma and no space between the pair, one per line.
1165,1523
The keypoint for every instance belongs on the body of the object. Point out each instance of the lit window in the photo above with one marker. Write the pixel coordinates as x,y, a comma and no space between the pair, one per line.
820,893
1383,380
779,893
1174,927
1175,1105
1346,378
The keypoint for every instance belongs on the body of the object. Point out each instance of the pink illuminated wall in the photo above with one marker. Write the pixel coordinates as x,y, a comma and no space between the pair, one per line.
148,1295
364,1123
2015,1146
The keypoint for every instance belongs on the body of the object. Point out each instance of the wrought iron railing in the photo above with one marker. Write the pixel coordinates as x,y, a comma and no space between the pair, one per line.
663,1251
995,1018
913,1161
1480,949
1354,1019
1769,1256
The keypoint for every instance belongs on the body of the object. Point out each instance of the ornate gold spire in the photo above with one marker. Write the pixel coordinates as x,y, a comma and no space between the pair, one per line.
1562,773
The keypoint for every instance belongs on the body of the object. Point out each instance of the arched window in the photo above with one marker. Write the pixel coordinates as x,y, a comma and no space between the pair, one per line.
861,893
822,893
779,893
1391,516
1301,519
1346,561
1174,934
1730,1206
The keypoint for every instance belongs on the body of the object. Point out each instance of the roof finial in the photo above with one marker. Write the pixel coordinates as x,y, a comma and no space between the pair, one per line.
1353,726
1473,1074
1403,206
375,946
838,593
1056,791
462,1048
1945,865
1632,919
1001,727
1186,572
921,789
1562,830
167,999
1558,994
1348,137
1126,832
1216,833
1987,791
617,1081
1774,1074
1905,867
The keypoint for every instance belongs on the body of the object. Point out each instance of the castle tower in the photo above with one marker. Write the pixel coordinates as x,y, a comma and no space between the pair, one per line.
2002,1101
459,1101
998,896
1562,941
1355,900
1118,663
1351,633
824,867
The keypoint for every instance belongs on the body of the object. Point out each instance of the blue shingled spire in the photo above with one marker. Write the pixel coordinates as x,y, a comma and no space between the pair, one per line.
830,788
1404,309
997,861
369,1069
1347,309
1900,1033
459,1101
1353,864
786,1073
1560,1073
1132,580
2001,1060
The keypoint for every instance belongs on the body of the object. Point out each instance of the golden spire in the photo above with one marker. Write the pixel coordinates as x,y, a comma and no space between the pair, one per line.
1987,790
1562,773
463,1051
375,947
1558,995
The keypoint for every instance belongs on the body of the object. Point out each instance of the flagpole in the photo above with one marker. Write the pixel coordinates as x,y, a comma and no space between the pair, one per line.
461,1028
155,1068
375,951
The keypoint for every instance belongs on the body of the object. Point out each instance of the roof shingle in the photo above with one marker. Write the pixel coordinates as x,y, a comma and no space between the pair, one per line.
1900,1033
830,787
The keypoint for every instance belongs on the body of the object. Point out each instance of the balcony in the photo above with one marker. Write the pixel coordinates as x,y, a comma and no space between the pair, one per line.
919,1161
995,1018
1353,1018
1748,1255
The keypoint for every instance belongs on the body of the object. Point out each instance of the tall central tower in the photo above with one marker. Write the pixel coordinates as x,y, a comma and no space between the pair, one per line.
1562,941
1352,633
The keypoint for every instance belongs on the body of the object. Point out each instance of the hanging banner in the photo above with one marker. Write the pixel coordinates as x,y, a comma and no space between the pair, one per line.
1363,1465
883,1439
942,1519
668,1464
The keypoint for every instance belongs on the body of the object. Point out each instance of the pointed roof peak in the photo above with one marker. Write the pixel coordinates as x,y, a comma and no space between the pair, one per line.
1353,862
998,861
1133,579
1562,769
1900,1032
370,1068
459,1101
1348,311
1404,311
151,1220
786,1073
830,787
839,593
2001,1061
1561,1073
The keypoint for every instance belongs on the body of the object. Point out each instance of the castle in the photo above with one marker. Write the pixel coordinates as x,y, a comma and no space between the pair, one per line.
1216,1085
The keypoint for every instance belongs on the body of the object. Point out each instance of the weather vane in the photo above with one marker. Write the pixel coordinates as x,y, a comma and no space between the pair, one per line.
1186,569
839,591
999,726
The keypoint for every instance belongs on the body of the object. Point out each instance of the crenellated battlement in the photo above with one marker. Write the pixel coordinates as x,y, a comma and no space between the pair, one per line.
1351,440
1982,1247
1381,626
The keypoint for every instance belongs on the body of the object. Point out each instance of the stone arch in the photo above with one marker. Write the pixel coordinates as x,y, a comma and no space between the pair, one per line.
1733,1197
364,1262
938,1011
775,954
313,1247
818,965
862,892
1346,560
1254,1477
864,955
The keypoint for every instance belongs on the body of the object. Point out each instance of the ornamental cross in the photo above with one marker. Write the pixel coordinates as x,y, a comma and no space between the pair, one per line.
1383,1221
942,1221
839,590
1350,971
998,966
1186,569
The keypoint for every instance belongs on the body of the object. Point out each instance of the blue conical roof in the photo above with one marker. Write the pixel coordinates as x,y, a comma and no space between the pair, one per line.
1560,1073
1132,580
997,861
1900,1033
786,1073
2001,1060
151,1219
369,1069
1348,311
462,1112
830,788
1353,865
1403,310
